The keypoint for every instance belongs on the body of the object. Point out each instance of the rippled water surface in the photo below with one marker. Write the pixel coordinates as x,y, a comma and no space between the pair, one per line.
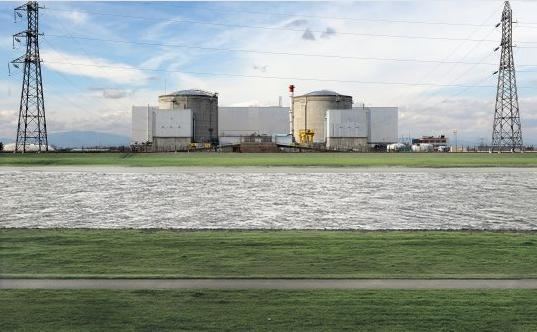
332,199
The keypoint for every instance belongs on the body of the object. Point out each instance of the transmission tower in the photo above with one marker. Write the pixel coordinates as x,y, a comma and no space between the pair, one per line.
506,131
32,126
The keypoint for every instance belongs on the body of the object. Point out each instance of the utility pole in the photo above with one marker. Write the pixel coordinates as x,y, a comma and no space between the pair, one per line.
506,131
32,126
292,113
456,140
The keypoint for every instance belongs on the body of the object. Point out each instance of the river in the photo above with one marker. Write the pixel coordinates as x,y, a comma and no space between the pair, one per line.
269,198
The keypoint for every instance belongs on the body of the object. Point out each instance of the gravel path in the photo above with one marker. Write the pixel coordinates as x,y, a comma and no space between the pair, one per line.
268,283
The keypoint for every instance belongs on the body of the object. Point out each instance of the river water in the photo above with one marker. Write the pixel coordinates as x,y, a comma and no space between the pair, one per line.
269,198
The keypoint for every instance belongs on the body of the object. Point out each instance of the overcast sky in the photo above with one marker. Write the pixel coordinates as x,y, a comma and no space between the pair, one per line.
88,86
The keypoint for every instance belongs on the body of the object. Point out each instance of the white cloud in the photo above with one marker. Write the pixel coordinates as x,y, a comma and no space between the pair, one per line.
161,29
296,23
8,123
329,32
97,68
111,93
262,69
73,17
252,103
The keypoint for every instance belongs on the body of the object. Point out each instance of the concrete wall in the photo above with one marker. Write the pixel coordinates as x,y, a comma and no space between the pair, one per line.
347,143
235,122
347,123
310,113
142,124
170,144
172,123
229,140
383,125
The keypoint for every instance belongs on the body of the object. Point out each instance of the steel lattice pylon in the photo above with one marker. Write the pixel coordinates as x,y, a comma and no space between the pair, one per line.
32,126
506,131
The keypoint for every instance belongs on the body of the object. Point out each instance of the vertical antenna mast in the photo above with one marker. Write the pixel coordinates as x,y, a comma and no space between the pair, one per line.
506,131
32,126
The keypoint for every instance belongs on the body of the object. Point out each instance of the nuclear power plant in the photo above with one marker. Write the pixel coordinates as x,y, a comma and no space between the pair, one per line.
318,120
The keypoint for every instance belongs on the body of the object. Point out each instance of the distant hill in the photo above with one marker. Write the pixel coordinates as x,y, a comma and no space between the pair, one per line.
78,139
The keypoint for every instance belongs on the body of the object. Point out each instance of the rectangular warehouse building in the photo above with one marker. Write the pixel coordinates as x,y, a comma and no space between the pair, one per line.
236,123
172,129
165,130
142,124
358,128
347,129
383,125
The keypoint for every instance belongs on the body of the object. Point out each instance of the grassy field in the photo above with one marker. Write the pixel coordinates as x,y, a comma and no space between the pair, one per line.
278,159
261,254
266,310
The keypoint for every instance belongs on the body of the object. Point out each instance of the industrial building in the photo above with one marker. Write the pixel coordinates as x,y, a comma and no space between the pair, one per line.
309,114
320,120
360,128
204,107
238,124
435,141
165,130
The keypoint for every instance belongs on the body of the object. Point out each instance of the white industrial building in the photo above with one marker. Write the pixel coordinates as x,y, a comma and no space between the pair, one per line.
346,129
359,128
193,116
142,124
383,125
237,123
166,130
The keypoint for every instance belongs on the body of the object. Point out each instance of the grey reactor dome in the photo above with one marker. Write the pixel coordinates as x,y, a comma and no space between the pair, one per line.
323,93
192,92
310,111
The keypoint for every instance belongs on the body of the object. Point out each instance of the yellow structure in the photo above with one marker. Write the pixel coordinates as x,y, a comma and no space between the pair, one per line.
306,136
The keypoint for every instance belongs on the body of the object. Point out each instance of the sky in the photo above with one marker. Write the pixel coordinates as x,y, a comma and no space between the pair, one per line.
433,59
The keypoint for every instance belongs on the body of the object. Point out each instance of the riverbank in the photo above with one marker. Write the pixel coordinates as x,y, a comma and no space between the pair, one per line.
269,310
84,253
204,159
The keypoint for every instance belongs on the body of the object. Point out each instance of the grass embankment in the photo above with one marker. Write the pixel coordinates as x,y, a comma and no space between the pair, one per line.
266,254
276,159
266,310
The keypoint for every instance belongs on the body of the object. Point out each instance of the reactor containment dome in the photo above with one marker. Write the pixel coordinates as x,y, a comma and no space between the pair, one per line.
310,112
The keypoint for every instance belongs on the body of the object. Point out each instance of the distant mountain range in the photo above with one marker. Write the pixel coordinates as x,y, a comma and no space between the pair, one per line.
79,139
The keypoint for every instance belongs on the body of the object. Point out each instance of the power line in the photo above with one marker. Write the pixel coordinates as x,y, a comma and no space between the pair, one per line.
153,43
468,70
271,77
242,26
434,70
373,20
355,19
478,82
72,83
333,56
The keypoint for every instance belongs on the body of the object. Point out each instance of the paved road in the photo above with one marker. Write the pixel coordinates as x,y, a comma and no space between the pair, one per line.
267,283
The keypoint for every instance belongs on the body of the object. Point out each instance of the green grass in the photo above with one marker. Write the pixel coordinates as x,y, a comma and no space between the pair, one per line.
276,159
264,254
268,310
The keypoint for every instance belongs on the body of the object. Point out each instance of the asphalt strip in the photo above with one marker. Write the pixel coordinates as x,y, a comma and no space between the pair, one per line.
268,283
